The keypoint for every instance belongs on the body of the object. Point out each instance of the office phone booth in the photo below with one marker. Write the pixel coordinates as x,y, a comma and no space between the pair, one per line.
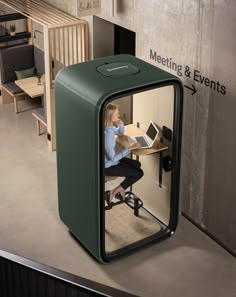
82,93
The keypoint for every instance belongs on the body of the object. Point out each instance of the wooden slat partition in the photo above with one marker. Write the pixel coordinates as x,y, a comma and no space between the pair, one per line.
64,50
40,11
65,43
76,41
68,44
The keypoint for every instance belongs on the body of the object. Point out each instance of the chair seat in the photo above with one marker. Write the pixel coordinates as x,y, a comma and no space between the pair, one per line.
40,113
13,88
109,178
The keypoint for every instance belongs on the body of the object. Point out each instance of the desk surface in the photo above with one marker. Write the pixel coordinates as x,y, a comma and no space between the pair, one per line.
132,130
29,86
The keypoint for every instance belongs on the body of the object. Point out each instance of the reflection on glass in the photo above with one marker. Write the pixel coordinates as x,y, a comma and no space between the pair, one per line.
137,188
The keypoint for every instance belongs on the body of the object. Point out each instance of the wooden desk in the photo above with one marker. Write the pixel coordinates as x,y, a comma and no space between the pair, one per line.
158,146
30,87
132,130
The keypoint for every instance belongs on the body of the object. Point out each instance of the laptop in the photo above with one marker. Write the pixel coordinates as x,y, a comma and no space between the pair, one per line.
147,140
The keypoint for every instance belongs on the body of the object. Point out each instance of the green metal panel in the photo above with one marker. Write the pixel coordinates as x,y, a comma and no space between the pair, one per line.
77,164
80,93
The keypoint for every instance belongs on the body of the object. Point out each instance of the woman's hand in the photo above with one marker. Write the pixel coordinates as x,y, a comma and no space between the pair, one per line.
117,123
134,146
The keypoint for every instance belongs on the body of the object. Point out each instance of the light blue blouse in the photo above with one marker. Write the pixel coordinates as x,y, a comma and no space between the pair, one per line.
111,157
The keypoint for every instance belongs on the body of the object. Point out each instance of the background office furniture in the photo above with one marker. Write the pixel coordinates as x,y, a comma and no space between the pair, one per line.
41,118
5,37
40,114
31,88
15,59
18,58
65,38
81,92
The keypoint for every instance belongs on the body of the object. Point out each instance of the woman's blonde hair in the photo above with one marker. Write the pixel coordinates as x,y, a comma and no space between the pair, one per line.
109,111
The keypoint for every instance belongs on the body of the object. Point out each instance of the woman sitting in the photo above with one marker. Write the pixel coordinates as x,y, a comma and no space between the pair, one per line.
115,163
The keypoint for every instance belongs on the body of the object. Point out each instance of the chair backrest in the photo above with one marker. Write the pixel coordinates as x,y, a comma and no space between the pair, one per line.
15,58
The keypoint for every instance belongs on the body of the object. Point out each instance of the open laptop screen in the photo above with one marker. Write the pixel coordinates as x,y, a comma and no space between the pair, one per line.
152,131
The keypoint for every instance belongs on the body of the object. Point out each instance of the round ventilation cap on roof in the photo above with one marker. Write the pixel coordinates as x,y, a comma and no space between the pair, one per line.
119,69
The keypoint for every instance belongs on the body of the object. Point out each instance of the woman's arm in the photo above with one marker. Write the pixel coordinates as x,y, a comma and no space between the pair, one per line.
110,148
119,129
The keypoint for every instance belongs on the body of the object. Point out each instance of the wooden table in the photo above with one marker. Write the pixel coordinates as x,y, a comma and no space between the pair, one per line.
132,130
158,146
30,87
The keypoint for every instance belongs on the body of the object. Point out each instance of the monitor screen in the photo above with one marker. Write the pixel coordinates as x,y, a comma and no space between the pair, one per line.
152,131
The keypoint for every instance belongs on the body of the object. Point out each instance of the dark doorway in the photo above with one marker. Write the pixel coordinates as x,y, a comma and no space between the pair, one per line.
124,41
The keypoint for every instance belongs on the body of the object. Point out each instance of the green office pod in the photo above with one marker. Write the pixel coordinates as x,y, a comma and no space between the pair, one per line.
146,95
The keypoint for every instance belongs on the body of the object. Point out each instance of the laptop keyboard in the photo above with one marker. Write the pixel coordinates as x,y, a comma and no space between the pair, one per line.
142,141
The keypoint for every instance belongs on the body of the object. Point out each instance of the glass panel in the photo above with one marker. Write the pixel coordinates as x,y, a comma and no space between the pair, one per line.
140,176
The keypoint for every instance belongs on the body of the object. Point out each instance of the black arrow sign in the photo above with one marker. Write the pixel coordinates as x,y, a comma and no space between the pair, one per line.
192,89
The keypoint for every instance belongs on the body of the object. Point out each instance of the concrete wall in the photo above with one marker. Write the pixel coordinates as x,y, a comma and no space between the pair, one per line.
219,208
198,38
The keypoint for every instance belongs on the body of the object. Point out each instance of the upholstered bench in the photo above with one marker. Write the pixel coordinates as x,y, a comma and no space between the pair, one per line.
12,59
41,118
13,90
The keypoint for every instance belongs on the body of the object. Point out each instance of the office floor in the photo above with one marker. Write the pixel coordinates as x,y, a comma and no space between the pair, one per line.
187,265
122,227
